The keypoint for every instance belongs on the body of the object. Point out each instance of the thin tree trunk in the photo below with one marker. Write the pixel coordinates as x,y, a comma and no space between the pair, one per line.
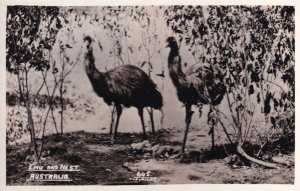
62,107
30,121
212,137
20,87
53,118
32,132
43,133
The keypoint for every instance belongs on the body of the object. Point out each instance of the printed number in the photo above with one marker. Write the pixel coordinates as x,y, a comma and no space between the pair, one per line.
140,174
143,174
148,173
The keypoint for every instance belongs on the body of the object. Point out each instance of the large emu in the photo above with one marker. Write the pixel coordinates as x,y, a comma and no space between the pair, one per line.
125,85
196,86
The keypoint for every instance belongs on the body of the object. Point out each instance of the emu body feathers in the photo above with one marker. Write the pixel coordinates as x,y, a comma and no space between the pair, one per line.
127,85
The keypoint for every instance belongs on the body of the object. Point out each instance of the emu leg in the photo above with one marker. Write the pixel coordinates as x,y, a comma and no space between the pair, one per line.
188,119
112,120
152,120
141,114
119,112
212,131
212,137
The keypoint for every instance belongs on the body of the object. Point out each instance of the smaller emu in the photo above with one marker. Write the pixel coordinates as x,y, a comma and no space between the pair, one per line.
125,85
196,86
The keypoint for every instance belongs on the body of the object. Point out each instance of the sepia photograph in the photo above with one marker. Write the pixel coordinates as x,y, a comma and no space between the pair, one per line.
150,95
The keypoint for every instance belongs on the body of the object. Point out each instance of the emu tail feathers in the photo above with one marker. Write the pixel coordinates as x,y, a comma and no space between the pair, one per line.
217,93
156,100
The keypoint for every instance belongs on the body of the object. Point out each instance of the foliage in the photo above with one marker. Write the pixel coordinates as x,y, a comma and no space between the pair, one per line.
251,50
30,31
26,39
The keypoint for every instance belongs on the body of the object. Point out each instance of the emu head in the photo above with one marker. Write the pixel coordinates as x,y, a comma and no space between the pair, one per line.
171,42
87,40
88,53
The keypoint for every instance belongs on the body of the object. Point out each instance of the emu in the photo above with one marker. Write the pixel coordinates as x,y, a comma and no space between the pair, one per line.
196,86
125,85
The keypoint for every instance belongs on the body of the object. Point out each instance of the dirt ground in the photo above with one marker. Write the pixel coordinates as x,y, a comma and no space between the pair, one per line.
86,143
101,162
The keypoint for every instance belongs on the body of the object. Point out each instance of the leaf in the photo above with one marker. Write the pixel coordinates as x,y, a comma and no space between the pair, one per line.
258,98
68,46
287,79
276,104
273,121
130,49
143,63
249,67
58,23
239,97
251,90
267,107
254,77
161,75
100,46
55,70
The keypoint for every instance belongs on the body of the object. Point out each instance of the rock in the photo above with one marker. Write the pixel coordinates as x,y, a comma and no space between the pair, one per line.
155,148
146,143
146,156
167,155
129,166
162,150
141,146
148,149
175,156
137,146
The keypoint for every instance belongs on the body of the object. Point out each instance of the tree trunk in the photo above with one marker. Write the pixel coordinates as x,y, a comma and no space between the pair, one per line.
32,132
53,118
244,154
62,107
20,88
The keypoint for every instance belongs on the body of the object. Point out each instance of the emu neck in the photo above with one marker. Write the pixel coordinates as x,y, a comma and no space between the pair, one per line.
89,60
96,77
174,65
